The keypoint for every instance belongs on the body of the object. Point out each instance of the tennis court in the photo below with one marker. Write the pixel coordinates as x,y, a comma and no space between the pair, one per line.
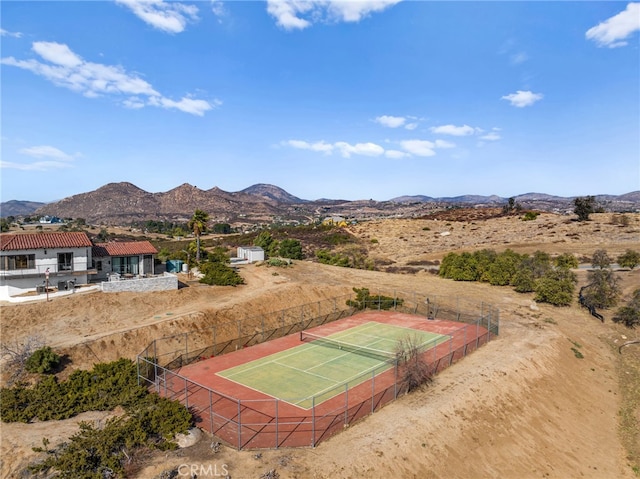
319,369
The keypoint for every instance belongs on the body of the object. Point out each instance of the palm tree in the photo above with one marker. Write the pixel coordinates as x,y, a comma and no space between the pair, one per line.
198,224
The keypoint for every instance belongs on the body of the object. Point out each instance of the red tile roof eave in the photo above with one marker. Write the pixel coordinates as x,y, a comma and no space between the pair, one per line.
16,242
129,248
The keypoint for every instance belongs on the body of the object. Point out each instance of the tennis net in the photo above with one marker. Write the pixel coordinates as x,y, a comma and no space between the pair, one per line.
378,354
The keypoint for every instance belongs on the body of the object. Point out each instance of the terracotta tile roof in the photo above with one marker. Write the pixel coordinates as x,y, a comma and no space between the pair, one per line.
124,248
13,242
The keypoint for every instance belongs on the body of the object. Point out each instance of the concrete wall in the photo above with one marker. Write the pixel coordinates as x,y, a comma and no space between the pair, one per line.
159,283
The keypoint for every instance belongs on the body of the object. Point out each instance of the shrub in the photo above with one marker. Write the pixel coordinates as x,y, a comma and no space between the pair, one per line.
629,315
365,300
556,287
630,259
530,216
603,290
584,206
414,370
334,259
107,385
291,248
566,260
600,259
220,275
43,361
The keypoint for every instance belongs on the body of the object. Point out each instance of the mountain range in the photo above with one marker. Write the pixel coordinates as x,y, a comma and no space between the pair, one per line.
125,203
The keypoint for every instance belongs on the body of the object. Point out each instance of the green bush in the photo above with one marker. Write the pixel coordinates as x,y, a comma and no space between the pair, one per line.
43,361
290,248
149,421
556,287
629,315
104,387
334,259
630,259
220,275
530,216
566,260
364,300
603,290
92,452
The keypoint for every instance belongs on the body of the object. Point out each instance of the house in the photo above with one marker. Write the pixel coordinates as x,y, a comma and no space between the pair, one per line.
50,220
335,220
29,260
251,253
126,258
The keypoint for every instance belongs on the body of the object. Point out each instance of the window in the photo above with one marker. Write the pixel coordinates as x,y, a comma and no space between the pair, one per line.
65,261
18,261
125,264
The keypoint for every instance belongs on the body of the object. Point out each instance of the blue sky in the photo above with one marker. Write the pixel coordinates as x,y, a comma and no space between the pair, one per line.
345,100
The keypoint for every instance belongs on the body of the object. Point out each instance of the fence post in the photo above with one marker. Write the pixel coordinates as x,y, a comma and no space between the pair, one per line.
395,380
489,327
277,420
313,421
465,340
346,404
214,341
210,411
477,333
239,428
186,394
373,389
155,351
186,347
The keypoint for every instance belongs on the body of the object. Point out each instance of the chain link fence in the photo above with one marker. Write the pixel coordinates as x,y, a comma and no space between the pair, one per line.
276,423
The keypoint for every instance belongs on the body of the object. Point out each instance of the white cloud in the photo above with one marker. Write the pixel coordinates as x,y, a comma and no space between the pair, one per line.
356,10
491,136
419,147
317,146
45,151
411,126
36,166
396,154
365,149
289,13
345,149
57,53
518,58
391,121
51,158
453,130
170,17
185,104
613,31
6,33
286,13
521,98
67,69
444,144
217,7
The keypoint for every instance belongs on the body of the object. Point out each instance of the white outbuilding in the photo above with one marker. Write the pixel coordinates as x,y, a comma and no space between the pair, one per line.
251,253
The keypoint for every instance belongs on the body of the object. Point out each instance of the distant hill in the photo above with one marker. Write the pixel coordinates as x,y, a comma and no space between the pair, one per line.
124,204
272,193
18,208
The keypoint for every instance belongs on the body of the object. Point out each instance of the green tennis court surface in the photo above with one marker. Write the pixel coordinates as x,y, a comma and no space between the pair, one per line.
313,372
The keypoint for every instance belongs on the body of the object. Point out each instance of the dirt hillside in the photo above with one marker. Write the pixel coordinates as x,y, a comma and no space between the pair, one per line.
523,406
